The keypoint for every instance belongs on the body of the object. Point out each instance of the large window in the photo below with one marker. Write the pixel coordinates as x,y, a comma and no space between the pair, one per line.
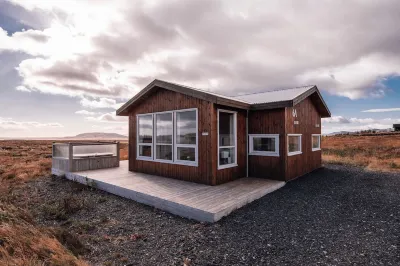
226,139
186,136
164,133
264,144
316,142
169,137
145,136
294,144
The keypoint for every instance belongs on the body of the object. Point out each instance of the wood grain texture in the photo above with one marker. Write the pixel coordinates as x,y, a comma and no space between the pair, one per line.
166,100
268,122
308,118
187,199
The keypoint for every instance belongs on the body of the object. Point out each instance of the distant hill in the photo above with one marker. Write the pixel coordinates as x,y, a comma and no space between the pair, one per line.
362,132
98,135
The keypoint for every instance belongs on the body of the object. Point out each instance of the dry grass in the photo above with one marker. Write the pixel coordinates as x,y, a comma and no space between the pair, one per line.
380,152
21,241
24,243
24,160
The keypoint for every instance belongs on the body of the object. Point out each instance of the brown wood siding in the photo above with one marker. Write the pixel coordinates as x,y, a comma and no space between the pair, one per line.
165,100
308,117
232,173
268,122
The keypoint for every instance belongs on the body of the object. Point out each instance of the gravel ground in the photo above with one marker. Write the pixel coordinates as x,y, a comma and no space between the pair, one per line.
337,215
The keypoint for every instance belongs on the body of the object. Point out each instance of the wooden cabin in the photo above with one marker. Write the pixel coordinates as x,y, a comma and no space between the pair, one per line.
199,136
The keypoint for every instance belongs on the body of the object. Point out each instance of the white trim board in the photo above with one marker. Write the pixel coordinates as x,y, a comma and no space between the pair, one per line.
234,164
174,145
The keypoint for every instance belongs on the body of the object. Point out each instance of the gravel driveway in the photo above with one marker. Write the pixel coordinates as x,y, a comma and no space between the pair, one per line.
336,215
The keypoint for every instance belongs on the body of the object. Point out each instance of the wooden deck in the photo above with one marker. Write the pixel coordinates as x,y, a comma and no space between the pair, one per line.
186,199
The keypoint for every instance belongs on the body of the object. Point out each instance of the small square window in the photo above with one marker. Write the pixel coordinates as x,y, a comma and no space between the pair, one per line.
316,142
264,144
294,144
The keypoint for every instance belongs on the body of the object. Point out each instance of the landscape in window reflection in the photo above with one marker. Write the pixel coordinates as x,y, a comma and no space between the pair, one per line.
186,127
145,129
164,128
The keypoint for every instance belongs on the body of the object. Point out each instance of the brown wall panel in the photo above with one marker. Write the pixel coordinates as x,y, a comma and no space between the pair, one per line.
268,122
308,118
165,100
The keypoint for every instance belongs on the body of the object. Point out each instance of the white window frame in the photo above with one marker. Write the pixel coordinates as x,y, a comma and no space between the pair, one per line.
144,144
234,164
155,137
301,148
174,145
264,153
319,137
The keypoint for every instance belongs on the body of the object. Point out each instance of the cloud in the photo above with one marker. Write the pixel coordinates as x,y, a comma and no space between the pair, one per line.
85,112
336,120
117,129
100,103
108,117
10,124
98,49
381,110
339,123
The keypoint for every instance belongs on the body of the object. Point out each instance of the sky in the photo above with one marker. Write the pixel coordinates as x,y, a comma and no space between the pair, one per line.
66,66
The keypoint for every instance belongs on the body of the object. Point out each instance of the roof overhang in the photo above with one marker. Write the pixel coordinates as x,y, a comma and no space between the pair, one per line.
313,93
155,84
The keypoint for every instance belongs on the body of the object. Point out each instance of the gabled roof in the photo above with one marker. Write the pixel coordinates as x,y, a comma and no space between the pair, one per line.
256,101
274,95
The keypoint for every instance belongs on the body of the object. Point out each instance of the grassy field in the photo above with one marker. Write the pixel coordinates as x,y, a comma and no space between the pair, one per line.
380,152
22,242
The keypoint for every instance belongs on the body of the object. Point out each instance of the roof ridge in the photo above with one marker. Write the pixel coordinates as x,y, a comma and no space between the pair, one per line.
203,90
274,90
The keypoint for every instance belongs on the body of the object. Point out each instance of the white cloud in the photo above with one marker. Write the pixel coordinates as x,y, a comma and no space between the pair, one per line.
103,49
381,110
121,129
100,103
336,120
362,120
85,112
10,124
339,123
108,117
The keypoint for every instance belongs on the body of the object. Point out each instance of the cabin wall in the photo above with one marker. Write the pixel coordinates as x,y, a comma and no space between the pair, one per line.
166,100
268,122
229,174
309,122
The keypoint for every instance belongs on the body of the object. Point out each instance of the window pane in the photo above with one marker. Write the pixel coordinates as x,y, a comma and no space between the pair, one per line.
164,128
226,156
186,154
145,128
264,144
315,142
226,129
186,127
294,143
164,152
144,151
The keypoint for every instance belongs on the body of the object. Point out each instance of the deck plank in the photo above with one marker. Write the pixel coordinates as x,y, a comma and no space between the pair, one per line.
186,199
